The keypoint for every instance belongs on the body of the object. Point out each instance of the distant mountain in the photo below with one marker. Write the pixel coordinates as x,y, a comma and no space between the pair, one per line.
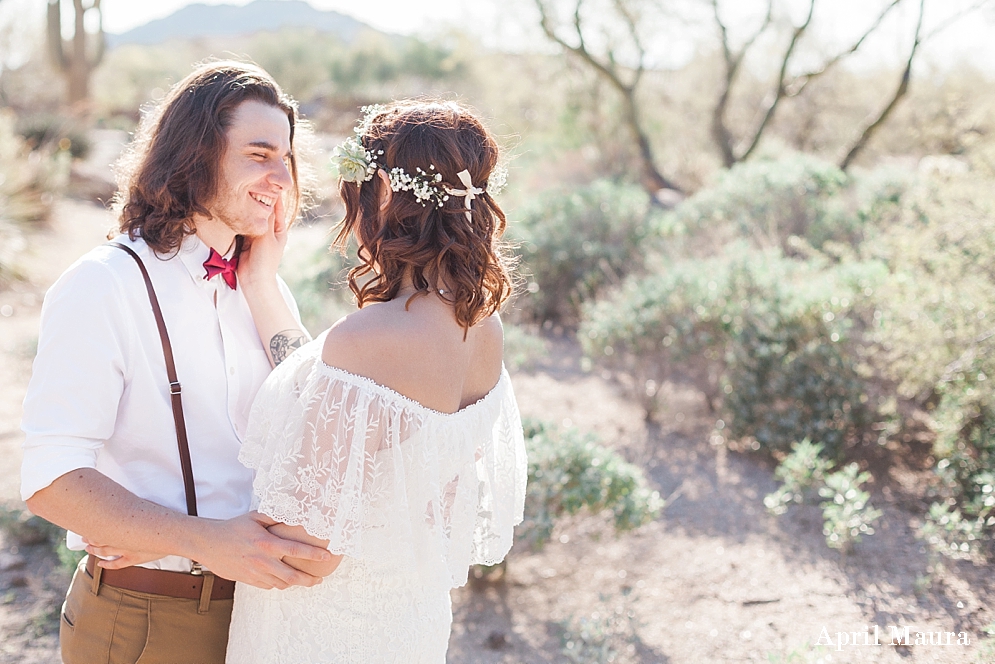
201,20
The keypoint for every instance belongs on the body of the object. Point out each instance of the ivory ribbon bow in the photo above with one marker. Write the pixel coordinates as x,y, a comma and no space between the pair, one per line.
468,194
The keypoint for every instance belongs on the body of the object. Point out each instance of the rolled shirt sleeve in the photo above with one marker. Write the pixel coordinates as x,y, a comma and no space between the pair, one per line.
288,297
78,376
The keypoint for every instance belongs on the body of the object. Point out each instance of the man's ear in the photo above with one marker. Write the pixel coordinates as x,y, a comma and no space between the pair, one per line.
386,193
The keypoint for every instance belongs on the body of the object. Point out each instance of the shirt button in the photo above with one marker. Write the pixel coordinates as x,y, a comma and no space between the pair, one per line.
231,370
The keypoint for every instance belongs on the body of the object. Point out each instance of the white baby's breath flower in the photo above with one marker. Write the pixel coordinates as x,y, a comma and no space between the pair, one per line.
497,180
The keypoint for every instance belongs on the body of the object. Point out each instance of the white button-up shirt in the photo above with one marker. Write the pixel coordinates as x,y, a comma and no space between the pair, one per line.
99,395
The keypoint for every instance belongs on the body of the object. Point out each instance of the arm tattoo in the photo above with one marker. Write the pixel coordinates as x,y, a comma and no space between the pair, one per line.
284,343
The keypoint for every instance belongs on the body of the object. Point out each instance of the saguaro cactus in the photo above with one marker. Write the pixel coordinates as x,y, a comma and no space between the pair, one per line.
76,58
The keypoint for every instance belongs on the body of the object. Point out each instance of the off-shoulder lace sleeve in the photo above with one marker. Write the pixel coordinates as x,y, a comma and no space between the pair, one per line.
383,478
502,471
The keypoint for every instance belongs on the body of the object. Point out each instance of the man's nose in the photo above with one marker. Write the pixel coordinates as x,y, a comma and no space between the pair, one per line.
280,175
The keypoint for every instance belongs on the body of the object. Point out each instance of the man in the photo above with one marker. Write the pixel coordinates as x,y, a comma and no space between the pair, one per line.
214,164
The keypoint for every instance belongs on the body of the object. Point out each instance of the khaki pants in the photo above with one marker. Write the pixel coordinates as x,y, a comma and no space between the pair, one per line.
115,626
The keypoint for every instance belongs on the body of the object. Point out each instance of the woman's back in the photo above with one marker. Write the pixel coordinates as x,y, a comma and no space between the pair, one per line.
410,495
418,349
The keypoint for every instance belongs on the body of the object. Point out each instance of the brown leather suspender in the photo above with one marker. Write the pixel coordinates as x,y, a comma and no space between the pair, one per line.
174,385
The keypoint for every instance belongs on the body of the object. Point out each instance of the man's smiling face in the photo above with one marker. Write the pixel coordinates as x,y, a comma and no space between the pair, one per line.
254,169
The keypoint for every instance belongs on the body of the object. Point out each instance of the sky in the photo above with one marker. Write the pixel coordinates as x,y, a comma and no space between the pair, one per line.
498,22
399,16
512,24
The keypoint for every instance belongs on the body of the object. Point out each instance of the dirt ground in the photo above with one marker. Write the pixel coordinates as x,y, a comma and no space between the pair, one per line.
714,579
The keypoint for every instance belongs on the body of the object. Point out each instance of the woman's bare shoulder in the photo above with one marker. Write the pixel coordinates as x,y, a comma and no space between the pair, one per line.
352,339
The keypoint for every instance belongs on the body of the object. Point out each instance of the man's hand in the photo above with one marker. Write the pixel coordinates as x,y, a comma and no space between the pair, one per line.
260,256
298,534
110,557
241,549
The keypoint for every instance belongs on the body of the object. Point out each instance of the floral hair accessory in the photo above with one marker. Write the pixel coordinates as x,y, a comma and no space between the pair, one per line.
468,194
497,180
424,186
354,163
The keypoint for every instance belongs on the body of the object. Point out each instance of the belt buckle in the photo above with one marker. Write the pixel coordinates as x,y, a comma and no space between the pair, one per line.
196,569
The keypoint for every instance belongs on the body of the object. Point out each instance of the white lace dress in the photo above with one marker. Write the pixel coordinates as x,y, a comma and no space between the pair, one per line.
410,496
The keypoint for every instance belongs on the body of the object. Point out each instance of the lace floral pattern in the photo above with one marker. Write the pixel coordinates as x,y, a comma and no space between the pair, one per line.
412,497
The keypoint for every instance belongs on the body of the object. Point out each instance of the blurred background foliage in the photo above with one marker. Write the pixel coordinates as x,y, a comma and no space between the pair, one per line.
807,243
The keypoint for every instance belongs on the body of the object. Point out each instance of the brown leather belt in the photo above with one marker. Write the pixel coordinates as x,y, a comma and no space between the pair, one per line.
162,582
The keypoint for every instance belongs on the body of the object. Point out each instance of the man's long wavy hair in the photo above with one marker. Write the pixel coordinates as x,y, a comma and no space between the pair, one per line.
436,246
172,171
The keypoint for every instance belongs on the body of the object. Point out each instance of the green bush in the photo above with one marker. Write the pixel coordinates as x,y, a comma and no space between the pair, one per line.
575,243
766,338
570,472
801,473
52,133
28,179
523,348
673,325
846,511
766,202
26,529
604,635
936,342
317,277
794,368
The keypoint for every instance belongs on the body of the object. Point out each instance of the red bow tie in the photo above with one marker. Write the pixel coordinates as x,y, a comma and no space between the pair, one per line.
217,264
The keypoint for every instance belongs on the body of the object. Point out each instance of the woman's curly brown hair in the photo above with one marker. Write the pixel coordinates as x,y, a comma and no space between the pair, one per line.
172,170
436,245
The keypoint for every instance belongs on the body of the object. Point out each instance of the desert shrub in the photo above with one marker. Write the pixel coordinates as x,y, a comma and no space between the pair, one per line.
26,529
801,473
767,201
316,276
607,634
768,334
794,362
575,243
964,516
12,243
569,472
524,348
675,324
53,132
28,179
936,342
846,511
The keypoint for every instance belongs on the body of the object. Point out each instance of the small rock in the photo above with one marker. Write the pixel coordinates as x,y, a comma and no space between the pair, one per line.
18,581
9,561
497,641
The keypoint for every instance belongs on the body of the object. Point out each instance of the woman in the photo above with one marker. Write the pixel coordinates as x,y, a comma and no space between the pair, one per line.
393,439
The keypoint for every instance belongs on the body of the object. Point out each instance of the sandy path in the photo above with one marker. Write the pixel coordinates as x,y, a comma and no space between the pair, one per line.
716,579
75,228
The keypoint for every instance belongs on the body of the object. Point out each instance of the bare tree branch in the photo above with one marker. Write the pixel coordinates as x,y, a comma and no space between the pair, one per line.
903,88
630,23
781,89
803,80
733,60
653,180
953,19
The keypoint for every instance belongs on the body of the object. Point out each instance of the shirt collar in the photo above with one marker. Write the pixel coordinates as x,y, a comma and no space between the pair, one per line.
193,253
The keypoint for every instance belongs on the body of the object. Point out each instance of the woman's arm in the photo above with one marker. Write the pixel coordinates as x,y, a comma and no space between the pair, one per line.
298,534
278,329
